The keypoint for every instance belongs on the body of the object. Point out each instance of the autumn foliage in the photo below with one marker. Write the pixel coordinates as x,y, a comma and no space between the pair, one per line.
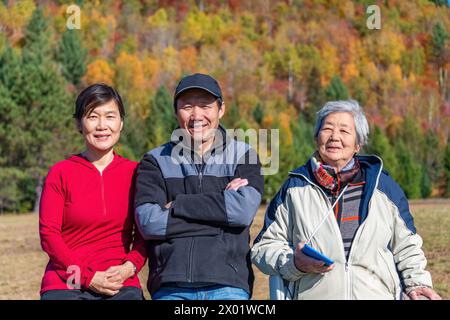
278,62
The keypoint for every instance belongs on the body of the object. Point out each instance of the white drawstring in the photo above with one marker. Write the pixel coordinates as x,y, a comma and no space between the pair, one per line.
326,216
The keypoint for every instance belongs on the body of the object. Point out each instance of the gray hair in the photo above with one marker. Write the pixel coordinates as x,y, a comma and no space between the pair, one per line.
351,106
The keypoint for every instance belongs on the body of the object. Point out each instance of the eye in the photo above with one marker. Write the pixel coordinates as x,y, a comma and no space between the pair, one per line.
345,131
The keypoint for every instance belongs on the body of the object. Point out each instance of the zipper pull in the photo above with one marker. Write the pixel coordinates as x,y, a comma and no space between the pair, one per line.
346,266
200,184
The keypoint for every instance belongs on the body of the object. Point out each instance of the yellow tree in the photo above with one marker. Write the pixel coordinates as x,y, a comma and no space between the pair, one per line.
161,31
98,29
14,16
386,47
151,68
329,62
188,58
131,83
170,67
99,70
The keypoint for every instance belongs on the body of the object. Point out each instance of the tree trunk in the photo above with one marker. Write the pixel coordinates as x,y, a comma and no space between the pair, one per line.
37,199
201,5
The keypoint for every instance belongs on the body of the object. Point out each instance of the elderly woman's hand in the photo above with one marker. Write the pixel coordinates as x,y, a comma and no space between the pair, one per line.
106,283
424,291
307,264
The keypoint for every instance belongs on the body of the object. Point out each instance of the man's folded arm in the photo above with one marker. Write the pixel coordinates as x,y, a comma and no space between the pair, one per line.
231,208
153,219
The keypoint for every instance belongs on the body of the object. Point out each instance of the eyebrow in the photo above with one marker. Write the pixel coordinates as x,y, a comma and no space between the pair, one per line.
332,124
107,112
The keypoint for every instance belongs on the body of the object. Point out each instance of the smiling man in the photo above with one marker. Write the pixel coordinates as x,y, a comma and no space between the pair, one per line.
196,213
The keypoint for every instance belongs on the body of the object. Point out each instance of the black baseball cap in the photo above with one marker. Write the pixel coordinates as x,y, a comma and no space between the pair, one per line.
199,81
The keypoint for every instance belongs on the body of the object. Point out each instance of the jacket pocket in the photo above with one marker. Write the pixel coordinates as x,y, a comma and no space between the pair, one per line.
306,285
231,250
392,280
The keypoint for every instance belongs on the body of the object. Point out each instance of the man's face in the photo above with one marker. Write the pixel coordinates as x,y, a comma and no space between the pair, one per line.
198,112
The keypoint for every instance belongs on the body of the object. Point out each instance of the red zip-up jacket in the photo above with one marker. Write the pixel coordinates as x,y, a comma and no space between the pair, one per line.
86,221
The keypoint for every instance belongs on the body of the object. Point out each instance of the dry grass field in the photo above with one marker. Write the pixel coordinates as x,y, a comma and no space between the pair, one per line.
22,262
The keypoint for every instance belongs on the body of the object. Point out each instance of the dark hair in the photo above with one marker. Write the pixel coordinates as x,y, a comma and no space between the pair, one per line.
94,96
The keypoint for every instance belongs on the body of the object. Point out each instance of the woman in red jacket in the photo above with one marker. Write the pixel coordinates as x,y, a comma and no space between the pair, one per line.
86,219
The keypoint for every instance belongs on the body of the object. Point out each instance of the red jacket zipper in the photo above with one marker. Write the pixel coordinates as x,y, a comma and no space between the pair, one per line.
103,194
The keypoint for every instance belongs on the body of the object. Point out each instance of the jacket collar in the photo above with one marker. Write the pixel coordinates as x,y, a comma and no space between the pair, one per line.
371,163
218,146
78,158
373,166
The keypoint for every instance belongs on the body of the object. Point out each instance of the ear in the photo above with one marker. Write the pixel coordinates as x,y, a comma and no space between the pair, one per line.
222,110
121,125
358,148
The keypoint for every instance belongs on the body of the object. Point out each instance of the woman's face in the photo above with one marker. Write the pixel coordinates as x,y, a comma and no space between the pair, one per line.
336,141
101,127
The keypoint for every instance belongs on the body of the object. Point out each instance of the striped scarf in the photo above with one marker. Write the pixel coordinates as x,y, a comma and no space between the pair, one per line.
347,209
328,178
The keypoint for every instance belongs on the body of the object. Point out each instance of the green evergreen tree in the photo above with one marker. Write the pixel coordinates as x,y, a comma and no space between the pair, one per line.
447,171
411,134
336,90
409,172
232,116
37,48
440,2
134,142
258,114
432,158
425,186
72,56
10,193
379,145
40,123
162,119
10,68
315,95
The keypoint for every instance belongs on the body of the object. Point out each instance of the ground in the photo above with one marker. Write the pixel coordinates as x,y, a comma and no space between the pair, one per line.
22,261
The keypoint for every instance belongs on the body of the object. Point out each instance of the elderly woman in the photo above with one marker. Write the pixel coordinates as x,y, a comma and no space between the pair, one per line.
347,208
86,219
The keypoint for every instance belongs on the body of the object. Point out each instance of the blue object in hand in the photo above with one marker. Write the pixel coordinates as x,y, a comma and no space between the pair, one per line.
313,253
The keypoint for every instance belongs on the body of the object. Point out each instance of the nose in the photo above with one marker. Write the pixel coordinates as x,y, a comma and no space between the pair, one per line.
335,134
101,123
196,113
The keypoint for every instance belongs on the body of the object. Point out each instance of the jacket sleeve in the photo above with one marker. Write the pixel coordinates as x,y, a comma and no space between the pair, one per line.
153,220
138,252
272,251
50,226
406,243
228,208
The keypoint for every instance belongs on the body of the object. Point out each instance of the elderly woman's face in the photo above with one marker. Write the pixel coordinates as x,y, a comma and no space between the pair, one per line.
101,127
336,141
